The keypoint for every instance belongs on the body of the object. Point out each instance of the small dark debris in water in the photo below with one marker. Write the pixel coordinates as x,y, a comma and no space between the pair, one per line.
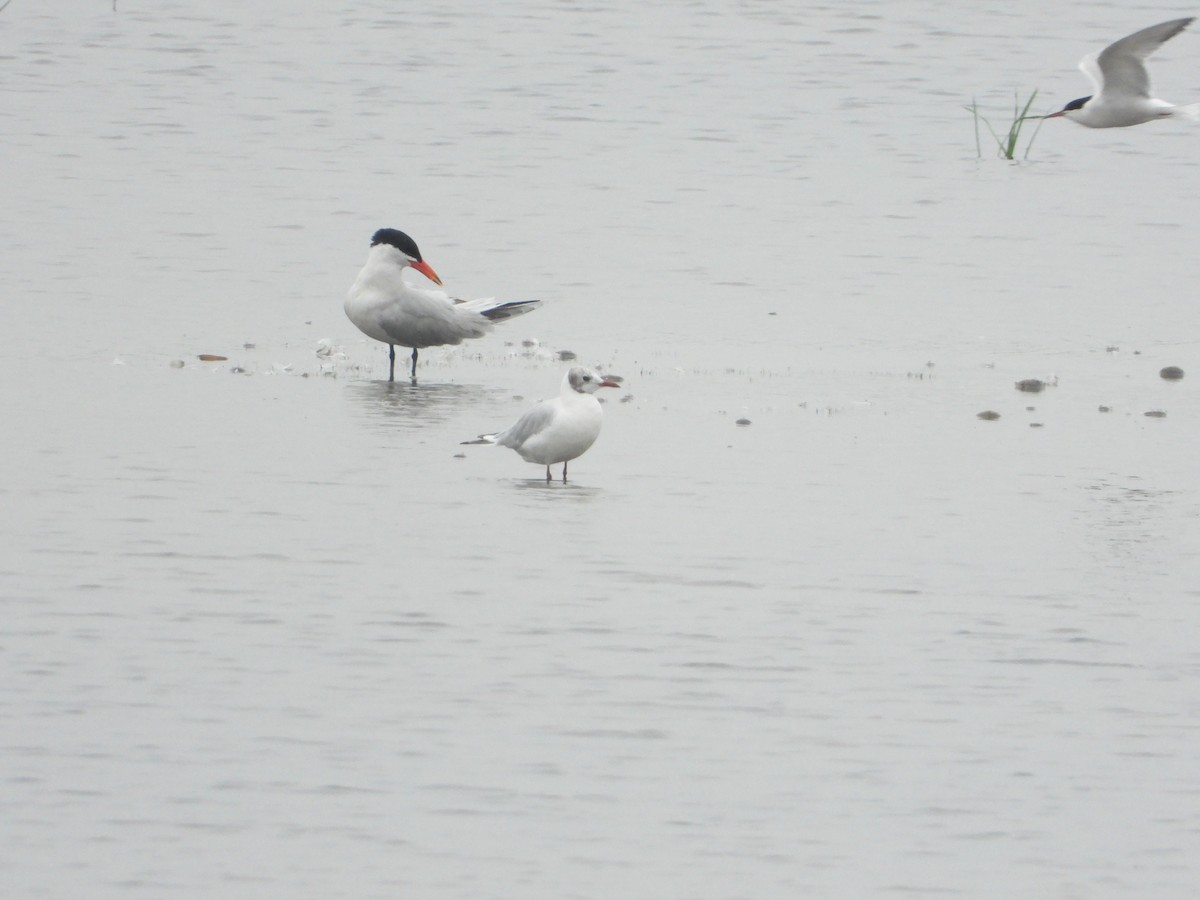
1112,348
567,355
743,422
529,342
1031,409
1035,424
1171,373
249,346
772,314
627,398
989,415
1156,413
1105,409
460,456
212,357
177,364
238,370
1031,385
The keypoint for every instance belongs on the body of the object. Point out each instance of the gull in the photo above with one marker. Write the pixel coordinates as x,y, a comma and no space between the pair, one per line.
560,429
387,308
1122,83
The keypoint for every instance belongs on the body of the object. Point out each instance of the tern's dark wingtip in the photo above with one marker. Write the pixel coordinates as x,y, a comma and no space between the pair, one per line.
1179,25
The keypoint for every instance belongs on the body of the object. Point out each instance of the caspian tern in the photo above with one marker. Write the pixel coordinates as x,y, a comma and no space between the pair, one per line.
387,308
560,429
1122,95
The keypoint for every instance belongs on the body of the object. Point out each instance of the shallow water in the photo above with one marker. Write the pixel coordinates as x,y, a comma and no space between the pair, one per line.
272,630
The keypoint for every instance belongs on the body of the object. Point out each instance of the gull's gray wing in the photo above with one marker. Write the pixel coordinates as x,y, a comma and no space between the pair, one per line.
533,422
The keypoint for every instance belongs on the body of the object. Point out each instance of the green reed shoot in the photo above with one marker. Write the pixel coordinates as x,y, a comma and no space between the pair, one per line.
1006,146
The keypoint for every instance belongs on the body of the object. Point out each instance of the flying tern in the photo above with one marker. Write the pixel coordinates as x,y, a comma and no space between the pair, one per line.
1122,96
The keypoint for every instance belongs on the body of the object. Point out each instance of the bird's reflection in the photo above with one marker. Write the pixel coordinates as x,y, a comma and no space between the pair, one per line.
415,405
1129,519
539,490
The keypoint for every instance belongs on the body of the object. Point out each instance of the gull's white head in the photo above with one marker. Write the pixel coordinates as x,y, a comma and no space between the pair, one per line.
587,381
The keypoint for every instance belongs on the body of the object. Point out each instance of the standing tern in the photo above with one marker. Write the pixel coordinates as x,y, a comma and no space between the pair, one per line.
560,429
387,308
1122,95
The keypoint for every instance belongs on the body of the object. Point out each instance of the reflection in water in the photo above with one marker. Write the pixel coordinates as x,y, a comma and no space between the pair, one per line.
1128,521
415,405
540,490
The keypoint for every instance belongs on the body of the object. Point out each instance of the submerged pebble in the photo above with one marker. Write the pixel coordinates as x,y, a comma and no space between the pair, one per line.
567,355
1156,413
743,422
988,415
1171,373
1031,385
1105,409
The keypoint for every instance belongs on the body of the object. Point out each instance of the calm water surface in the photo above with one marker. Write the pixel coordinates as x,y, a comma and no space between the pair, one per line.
270,630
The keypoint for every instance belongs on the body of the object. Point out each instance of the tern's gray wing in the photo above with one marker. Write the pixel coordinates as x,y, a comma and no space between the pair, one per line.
427,318
533,422
1091,68
1119,69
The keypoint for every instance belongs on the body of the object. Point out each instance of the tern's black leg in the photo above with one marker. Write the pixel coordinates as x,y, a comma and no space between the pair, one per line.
549,478
391,362
564,473
414,365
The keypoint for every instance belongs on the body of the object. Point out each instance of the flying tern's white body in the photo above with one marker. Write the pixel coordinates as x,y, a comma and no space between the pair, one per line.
560,429
1122,96
384,306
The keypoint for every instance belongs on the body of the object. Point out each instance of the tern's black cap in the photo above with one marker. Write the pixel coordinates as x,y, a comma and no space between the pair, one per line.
397,239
